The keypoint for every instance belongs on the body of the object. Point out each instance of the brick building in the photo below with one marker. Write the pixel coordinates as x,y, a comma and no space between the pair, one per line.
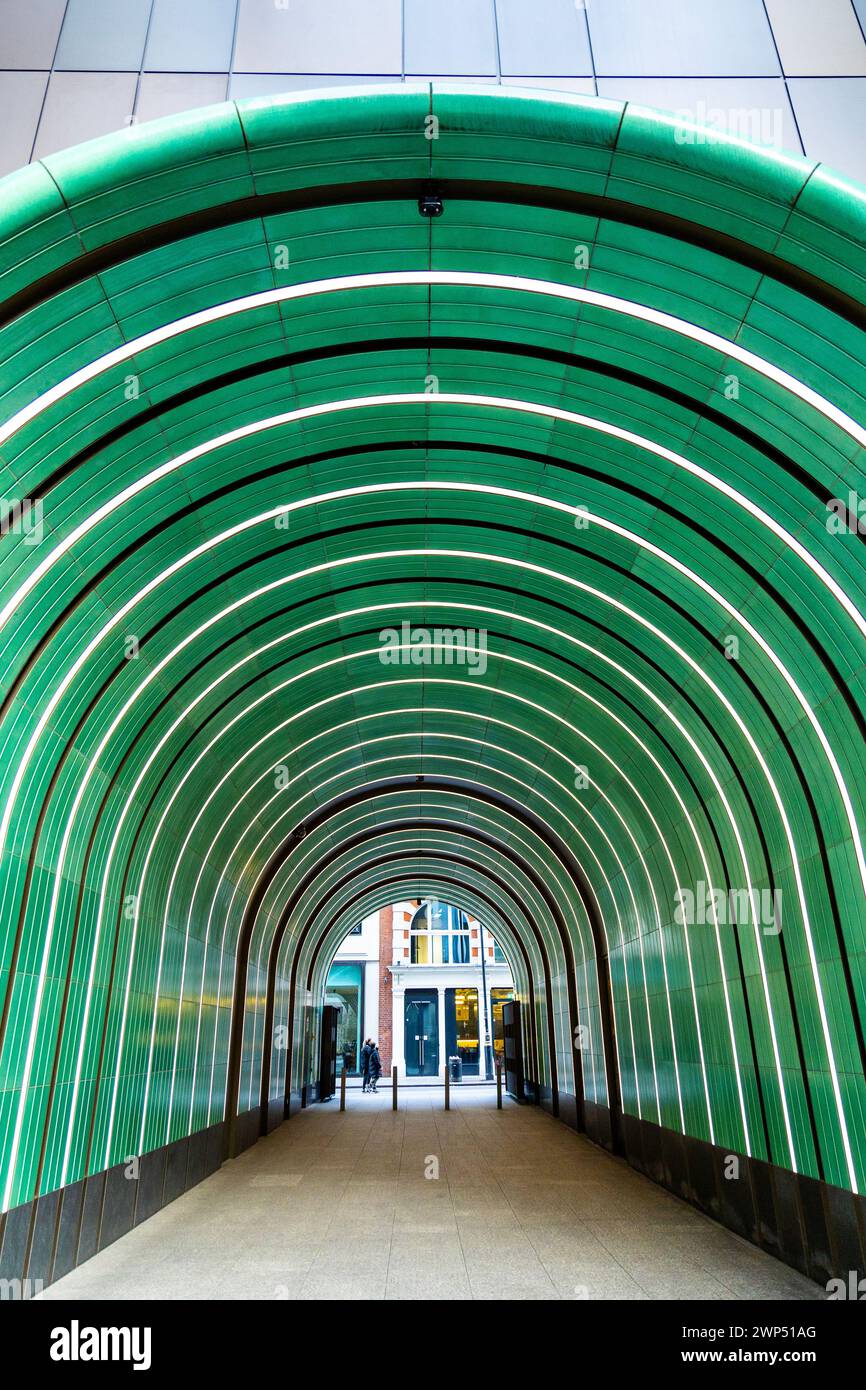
428,981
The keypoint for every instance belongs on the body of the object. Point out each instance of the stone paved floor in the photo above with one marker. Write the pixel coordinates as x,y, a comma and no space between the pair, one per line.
336,1206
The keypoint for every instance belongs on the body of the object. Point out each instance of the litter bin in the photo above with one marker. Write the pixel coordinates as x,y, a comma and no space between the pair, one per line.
456,1067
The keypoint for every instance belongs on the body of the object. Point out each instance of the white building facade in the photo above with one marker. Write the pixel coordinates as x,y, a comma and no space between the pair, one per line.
428,982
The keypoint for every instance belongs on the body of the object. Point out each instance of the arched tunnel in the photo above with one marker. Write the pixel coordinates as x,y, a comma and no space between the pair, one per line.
433,491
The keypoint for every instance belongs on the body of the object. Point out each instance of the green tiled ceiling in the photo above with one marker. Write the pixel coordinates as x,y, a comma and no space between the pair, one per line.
600,418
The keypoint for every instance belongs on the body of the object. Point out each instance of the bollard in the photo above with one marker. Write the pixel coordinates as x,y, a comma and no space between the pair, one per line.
499,1086
394,1088
447,1087
343,1089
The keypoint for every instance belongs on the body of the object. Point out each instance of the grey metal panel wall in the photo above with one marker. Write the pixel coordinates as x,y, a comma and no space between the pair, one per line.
789,73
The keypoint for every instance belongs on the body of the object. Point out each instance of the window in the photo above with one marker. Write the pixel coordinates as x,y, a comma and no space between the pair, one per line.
439,935
345,991
461,1028
546,37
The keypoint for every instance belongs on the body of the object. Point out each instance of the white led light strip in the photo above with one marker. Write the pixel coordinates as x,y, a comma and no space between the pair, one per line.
460,487
295,808
387,738
288,508
295,867
334,872
508,403
230,772
473,279
572,510
567,637
551,748
555,809
446,826
730,349
296,860
415,398
411,397
467,896
455,828
434,859
233,769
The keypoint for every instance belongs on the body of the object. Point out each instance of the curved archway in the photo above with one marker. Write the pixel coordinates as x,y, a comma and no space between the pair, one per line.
348,548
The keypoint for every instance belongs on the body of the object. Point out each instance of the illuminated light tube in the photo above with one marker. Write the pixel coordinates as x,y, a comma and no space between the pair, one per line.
412,873
641,542
488,401
555,808
139,892
457,486
448,832
421,398
473,279
567,637
487,859
141,884
582,929
574,730
473,487
439,710
449,829
136,694
435,860
471,607
538,287
470,487
293,809
583,932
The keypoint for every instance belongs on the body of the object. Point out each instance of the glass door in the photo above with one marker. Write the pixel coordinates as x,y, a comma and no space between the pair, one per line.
345,990
421,1024
498,997
461,1028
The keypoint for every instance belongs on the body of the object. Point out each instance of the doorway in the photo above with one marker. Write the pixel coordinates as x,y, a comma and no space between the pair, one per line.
421,1023
461,1029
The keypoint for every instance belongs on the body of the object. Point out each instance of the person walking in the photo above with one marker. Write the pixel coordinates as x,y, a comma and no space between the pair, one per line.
375,1067
366,1050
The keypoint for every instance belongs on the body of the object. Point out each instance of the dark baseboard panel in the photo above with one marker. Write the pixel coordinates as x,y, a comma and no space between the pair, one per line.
44,1239
247,1130
276,1113
544,1097
568,1111
598,1125
816,1228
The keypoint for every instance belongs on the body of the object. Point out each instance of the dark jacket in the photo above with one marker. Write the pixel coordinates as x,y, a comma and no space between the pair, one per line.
375,1063
364,1060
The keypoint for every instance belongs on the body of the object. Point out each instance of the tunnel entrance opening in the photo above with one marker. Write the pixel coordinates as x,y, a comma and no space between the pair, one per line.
427,981
606,478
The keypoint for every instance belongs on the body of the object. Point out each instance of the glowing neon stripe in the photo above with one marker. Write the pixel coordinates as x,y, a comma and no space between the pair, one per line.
560,506
457,829
305,502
